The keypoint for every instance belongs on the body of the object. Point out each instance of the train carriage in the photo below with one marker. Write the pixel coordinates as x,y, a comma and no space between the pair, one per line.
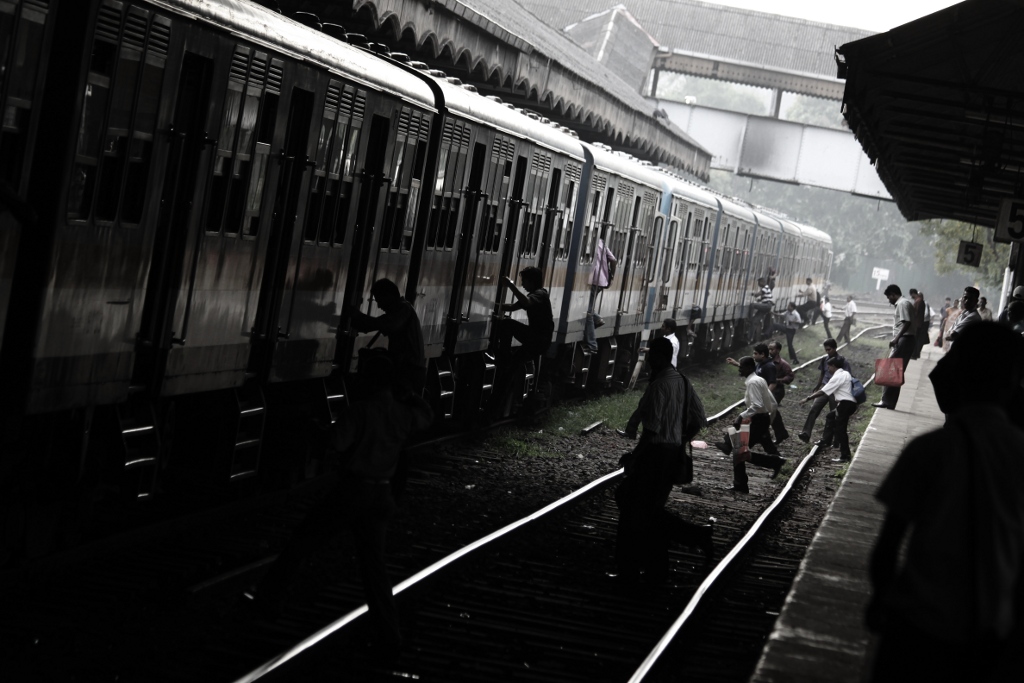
197,192
26,31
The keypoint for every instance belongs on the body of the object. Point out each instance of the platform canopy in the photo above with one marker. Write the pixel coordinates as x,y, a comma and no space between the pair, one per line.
938,106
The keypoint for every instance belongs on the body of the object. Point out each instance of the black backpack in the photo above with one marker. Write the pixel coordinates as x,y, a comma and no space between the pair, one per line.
695,419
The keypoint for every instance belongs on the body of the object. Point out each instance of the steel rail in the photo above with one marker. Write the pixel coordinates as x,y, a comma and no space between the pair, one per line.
716,574
323,633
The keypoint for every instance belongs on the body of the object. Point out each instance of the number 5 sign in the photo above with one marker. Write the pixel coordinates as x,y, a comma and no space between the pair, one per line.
1010,227
969,254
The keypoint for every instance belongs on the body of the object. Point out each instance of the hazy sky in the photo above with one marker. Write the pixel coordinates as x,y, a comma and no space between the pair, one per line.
872,15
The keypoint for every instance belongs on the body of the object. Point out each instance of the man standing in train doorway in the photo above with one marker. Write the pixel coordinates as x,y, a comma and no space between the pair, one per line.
601,276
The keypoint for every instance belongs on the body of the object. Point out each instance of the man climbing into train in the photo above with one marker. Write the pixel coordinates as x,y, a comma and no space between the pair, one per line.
401,326
761,308
534,335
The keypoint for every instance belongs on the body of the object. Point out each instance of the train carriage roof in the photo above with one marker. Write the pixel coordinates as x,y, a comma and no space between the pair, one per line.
768,221
737,210
689,192
275,31
500,116
625,165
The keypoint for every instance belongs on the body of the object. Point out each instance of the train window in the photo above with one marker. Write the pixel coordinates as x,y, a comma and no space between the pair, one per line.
19,66
565,231
667,249
396,213
119,111
655,240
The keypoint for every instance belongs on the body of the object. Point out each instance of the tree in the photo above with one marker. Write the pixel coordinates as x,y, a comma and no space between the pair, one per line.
711,93
947,235
815,111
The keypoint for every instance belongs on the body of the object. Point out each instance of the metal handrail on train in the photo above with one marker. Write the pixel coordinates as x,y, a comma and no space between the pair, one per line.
607,479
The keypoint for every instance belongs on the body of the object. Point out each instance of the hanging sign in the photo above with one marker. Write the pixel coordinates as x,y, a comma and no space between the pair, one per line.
1010,226
969,254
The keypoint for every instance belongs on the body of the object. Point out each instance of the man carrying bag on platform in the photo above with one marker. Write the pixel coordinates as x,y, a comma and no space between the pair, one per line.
889,372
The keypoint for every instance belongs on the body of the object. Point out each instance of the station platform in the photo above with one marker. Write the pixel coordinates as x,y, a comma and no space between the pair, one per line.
820,634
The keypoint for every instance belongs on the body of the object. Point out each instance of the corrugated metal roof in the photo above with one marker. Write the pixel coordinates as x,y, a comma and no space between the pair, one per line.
734,34
938,105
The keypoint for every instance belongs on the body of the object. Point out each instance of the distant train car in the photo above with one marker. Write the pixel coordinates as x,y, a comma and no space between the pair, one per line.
196,194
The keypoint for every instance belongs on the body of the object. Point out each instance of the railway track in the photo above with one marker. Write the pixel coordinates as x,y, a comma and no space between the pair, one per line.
192,628
515,605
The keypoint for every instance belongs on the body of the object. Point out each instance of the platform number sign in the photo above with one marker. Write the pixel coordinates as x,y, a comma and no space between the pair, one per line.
969,254
1010,227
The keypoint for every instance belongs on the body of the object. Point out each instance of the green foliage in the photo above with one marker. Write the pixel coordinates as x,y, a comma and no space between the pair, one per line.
865,232
814,111
946,236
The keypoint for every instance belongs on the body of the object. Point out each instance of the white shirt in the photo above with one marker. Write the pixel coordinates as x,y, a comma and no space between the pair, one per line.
793,319
839,386
674,340
850,309
758,398
963,321
826,309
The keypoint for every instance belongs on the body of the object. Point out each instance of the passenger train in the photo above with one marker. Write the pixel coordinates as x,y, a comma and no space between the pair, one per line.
195,193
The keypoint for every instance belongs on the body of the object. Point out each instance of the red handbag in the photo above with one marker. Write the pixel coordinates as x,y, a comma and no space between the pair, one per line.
889,372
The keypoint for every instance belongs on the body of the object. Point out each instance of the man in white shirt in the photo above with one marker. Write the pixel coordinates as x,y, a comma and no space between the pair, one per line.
839,388
809,307
759,411
902,342
791,322
826,315
969,316
849,318
668,329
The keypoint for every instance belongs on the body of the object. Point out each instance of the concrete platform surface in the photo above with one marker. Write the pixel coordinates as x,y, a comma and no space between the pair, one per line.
820,634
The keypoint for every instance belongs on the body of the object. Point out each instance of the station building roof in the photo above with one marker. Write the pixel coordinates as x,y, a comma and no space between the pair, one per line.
938,106
506,51
697,34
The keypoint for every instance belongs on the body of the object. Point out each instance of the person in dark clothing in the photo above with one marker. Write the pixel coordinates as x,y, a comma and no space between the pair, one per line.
830,346
760,408
784,376
369,435
401,326
917,323
947,569
535,335
645,527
